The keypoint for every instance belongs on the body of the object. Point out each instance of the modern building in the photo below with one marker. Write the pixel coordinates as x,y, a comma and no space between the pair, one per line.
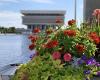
89,7
42,18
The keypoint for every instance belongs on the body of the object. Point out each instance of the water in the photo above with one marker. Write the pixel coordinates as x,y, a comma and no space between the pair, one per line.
14,49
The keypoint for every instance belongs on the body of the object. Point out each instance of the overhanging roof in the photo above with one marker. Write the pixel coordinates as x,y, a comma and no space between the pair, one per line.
43,12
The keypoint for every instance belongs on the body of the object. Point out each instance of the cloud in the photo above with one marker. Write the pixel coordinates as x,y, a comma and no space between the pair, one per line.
9,18
2,2
43,1
7,1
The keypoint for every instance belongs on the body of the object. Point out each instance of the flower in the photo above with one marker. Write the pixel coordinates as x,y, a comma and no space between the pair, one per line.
86,72
94,37
80,61
56,55
97,64
70,33
58,20
67,57
96,12
71,22
80,48
30,37
96,40
91,61
36,30
32,46
34,38
32,56
98,73
84,57
52,44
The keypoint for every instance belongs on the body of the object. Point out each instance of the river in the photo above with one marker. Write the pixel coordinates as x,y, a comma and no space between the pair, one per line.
14,49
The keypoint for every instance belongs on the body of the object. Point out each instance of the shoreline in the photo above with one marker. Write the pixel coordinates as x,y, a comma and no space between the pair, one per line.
10,34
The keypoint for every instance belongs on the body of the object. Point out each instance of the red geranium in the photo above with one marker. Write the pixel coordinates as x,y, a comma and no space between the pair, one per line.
71,22
36,30
80,48
94,37
56,55
30,37
58,20
52,44
34,38
32,46
70,33
96,40
67,57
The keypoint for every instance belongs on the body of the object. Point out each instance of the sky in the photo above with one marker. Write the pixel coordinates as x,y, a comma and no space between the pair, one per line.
10,10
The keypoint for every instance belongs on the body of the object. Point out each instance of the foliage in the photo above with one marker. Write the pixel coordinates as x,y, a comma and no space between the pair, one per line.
7,30
45,68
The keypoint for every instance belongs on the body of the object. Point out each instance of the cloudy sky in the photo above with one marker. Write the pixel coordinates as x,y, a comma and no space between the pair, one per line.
10,9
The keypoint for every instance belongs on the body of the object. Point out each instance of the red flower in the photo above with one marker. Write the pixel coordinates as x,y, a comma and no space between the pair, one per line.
58,20
71,22
36,30
67,57
52,44
30,37
34,38
80,48
94,37
97,40
70,33
32,46
56,55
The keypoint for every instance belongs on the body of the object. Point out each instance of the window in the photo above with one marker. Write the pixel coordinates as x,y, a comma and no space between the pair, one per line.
29,26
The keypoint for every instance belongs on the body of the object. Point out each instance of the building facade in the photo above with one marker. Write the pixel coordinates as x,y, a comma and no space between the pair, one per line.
42,18
89,7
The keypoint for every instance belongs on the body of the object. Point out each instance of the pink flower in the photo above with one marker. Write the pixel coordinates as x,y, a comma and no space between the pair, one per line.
67,57
96,12
56,55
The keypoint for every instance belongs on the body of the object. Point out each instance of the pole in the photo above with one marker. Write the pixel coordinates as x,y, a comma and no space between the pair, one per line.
75,6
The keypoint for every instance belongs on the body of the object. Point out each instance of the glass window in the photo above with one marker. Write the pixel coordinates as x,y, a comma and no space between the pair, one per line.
43,27
29,26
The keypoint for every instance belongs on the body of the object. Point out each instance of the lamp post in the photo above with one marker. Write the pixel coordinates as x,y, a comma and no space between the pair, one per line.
75,9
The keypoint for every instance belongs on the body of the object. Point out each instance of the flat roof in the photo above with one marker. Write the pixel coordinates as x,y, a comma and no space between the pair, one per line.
43,11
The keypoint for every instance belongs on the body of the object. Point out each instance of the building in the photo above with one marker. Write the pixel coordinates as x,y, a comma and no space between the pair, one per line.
42,18
89,6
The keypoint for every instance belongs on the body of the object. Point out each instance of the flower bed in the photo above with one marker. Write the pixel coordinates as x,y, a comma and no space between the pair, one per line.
62,54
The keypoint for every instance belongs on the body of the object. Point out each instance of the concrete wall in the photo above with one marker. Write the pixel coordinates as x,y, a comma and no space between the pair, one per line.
41,19
89,6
